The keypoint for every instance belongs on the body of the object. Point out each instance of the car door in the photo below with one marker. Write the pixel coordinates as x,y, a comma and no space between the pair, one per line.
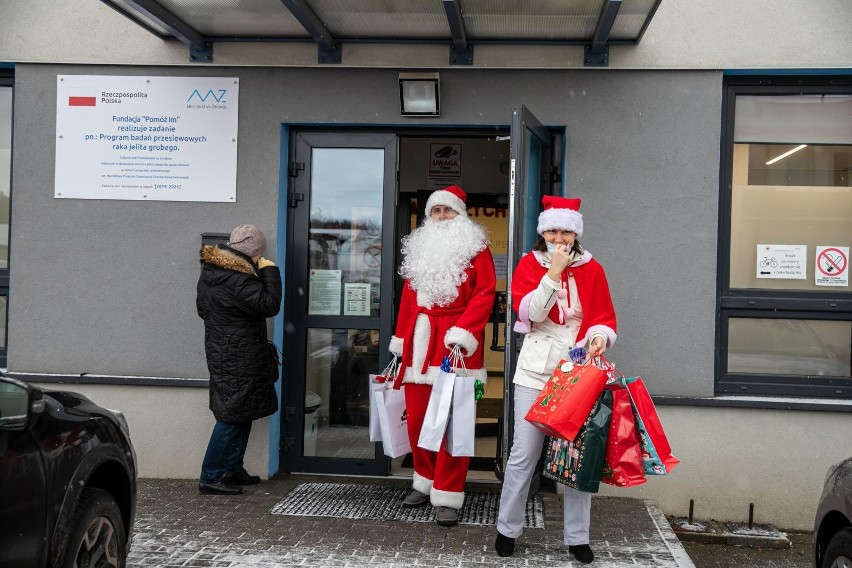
22,481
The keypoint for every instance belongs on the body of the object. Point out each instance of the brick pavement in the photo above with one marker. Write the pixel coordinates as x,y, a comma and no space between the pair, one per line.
175,526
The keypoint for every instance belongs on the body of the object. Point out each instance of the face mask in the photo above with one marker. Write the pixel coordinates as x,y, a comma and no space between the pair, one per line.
550,247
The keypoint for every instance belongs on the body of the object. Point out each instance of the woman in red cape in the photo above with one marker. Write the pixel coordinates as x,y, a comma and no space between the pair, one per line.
562,299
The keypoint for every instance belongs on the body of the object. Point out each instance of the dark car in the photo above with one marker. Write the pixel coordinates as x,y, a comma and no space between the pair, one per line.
67,480
833,524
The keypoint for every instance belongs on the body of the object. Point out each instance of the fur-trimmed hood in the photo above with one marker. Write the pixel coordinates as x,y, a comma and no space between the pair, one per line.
227,259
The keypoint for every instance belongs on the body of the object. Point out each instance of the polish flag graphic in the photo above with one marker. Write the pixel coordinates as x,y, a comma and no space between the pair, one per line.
81,98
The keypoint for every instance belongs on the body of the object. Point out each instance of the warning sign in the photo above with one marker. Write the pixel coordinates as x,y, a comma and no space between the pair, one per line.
832,266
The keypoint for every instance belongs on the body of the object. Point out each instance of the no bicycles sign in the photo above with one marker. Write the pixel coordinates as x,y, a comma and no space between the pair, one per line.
832,266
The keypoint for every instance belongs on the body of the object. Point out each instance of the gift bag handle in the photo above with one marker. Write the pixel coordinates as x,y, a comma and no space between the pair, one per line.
457,359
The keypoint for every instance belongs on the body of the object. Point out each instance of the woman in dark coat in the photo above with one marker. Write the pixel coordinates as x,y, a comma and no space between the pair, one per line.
238,289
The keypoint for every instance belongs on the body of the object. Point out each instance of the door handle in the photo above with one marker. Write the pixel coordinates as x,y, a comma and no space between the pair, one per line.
498,316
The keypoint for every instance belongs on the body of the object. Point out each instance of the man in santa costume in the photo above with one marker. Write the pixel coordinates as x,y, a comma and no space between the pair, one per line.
446,300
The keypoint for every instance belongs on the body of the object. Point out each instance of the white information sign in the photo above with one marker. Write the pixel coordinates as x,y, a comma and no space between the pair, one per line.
788,262
324,292
832,266
356,299
146,138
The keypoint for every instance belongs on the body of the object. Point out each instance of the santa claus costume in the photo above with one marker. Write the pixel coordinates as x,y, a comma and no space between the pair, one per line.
446,301
556,314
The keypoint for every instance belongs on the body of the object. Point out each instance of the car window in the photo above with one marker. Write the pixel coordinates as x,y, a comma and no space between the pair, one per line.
13,404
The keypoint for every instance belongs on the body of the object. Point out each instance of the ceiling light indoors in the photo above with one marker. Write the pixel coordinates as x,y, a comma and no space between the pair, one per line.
419,94
785,154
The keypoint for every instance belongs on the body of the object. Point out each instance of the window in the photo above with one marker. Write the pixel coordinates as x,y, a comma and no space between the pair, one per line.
785,306
6,81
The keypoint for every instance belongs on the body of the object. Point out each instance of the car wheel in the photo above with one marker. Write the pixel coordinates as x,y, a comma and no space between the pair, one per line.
838,553
97,537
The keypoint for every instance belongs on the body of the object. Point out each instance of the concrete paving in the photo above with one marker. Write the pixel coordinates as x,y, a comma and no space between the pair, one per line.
175,526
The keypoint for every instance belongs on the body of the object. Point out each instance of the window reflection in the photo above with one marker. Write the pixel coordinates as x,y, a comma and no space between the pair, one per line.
337,409
345,232
789,347
790,183
5,171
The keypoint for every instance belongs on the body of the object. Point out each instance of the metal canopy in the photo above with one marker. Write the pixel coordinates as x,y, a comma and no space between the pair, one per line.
459,24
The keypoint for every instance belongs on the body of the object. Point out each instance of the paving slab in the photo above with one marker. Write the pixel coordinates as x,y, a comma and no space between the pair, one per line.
175,526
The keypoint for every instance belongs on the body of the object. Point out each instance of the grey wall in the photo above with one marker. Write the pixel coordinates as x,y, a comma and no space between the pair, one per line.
107,287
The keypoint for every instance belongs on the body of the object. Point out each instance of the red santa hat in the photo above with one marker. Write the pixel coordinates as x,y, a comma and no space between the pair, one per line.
452,196
560,213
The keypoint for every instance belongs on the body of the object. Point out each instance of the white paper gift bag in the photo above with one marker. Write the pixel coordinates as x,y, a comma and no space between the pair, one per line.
393,421
377,384
461,430
439,406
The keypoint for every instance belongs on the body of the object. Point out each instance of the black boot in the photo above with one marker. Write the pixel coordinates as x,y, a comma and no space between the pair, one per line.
241,478
582,552
218,488
504,545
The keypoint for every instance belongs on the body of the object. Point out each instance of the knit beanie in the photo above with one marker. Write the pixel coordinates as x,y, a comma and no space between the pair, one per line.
248,240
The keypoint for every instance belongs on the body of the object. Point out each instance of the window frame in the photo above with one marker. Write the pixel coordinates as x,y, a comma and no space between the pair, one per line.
7,79
763,303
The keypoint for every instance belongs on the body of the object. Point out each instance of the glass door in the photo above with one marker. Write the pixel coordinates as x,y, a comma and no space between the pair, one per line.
339,303
529,178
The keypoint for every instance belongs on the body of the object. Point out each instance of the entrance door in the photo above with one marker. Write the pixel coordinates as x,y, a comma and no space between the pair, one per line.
339,300
529,179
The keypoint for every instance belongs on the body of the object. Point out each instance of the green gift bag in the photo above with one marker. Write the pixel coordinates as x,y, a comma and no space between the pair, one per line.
578,463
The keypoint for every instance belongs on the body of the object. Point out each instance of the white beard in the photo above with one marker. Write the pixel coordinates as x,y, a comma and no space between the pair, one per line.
436,256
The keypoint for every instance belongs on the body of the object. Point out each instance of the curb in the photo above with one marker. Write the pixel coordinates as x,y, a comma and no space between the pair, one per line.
739,534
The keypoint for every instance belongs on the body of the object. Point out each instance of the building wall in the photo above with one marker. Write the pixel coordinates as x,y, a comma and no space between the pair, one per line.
723,34
116,279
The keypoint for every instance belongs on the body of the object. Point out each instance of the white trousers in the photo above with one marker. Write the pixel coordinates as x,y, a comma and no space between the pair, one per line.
526,450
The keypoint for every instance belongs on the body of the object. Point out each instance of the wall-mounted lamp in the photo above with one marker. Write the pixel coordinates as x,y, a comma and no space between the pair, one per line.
419,94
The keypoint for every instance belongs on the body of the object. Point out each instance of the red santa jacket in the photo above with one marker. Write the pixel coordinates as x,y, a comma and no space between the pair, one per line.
592,288
431,331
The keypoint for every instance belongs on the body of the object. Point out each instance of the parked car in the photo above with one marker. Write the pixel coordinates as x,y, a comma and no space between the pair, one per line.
67,480
833,524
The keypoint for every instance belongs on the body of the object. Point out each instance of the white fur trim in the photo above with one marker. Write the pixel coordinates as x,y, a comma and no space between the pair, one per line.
442,197
604,330
419,344
565,219
449,499
421,484
463,338
395,346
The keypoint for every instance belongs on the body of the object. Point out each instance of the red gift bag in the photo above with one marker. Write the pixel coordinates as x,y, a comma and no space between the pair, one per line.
567,399
624,465
656,452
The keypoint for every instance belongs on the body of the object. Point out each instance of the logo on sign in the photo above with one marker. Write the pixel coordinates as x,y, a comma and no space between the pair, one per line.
219,98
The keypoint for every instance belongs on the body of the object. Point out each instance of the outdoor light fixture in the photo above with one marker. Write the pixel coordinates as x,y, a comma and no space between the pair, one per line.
419,94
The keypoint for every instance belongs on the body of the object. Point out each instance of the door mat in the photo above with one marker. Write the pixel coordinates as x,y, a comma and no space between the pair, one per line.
351,501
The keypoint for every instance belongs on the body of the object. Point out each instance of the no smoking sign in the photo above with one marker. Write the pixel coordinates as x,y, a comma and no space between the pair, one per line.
832,265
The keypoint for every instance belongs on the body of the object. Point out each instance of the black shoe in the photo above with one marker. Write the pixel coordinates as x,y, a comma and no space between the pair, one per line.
241,478
583,553
504,545
415,499
218,488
